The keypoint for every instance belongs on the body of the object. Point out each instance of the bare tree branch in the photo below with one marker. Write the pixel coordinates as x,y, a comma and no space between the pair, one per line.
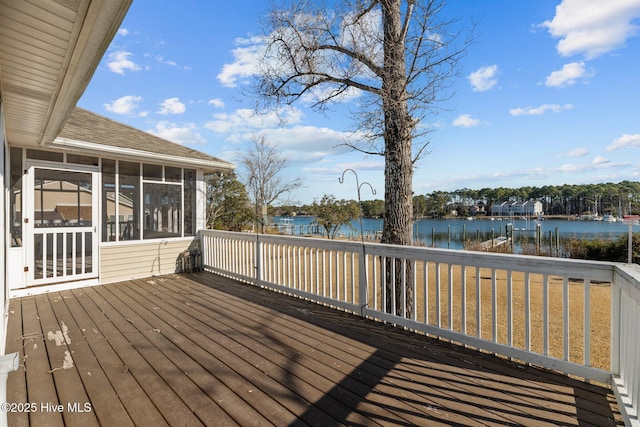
397,55
262,167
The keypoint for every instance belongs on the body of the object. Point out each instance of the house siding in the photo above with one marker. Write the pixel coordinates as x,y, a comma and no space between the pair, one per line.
129,261
517,208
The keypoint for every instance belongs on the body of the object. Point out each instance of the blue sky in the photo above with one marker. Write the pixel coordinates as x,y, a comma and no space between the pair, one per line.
548,95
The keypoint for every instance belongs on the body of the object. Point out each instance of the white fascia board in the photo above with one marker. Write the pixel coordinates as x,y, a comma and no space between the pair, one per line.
96,26
128,153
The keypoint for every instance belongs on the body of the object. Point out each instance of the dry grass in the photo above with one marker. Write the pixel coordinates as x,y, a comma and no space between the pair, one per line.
599,310
330,275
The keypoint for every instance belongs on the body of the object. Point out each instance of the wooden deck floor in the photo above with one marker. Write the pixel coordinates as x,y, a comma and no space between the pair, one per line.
202,349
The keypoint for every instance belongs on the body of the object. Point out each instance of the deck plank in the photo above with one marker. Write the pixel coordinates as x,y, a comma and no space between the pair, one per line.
201,349
173,360
516,407
322,365
262,362
41,389
520,407
66,378
16,341
593,403
492,406
122,337
230,356
139,408
100,395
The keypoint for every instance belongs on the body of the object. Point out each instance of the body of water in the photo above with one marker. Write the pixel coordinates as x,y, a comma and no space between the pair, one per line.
451,233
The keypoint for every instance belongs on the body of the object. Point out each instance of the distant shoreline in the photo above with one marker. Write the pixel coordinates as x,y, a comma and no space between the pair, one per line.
450,217
489,217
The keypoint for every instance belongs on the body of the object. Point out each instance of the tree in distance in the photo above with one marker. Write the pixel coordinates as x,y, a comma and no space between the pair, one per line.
332,214
262,166
227,203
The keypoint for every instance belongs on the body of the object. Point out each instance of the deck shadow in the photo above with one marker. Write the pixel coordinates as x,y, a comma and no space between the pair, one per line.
190,349
421,379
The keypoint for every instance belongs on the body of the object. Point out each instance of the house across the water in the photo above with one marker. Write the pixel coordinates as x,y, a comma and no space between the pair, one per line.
521,207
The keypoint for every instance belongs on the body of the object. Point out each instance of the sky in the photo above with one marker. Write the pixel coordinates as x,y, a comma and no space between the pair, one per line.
548,94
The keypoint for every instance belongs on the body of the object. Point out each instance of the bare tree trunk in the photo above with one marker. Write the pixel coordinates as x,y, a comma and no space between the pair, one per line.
398,160
311,51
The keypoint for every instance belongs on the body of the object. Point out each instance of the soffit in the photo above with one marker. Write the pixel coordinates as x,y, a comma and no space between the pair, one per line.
49,50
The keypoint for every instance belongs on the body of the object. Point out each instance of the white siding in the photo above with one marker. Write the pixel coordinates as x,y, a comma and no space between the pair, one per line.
201,201
3,184
128,261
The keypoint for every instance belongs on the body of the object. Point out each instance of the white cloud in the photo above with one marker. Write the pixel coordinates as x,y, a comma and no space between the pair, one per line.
216,102
172,106
123,32
124,105
625,141
248,120
567,168
184,134
593,27
597,164
163,60
484,78
356,30
577,152
371,165
119,62
301,146
314,94
337,169
298,143
537,111
465,120
245,60
308,143
596,170
599,160
568,75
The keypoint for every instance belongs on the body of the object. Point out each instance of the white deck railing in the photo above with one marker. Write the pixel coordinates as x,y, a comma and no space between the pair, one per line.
577,317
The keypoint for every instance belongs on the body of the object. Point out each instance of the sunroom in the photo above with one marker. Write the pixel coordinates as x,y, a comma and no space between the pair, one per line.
103,203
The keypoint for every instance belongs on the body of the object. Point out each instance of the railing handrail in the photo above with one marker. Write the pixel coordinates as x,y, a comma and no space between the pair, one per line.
291,264
598,270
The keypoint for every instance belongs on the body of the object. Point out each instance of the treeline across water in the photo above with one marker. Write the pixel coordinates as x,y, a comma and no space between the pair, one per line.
608,198
563,200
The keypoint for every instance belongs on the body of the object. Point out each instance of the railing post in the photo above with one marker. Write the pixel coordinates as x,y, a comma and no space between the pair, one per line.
258,264
616,292
363,300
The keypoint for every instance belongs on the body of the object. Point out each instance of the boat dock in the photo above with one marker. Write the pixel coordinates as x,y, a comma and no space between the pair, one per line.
492,243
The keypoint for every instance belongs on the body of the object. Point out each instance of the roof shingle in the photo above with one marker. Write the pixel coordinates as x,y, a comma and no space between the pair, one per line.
86,126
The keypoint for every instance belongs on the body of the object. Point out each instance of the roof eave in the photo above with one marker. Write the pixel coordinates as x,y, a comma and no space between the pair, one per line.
98,28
